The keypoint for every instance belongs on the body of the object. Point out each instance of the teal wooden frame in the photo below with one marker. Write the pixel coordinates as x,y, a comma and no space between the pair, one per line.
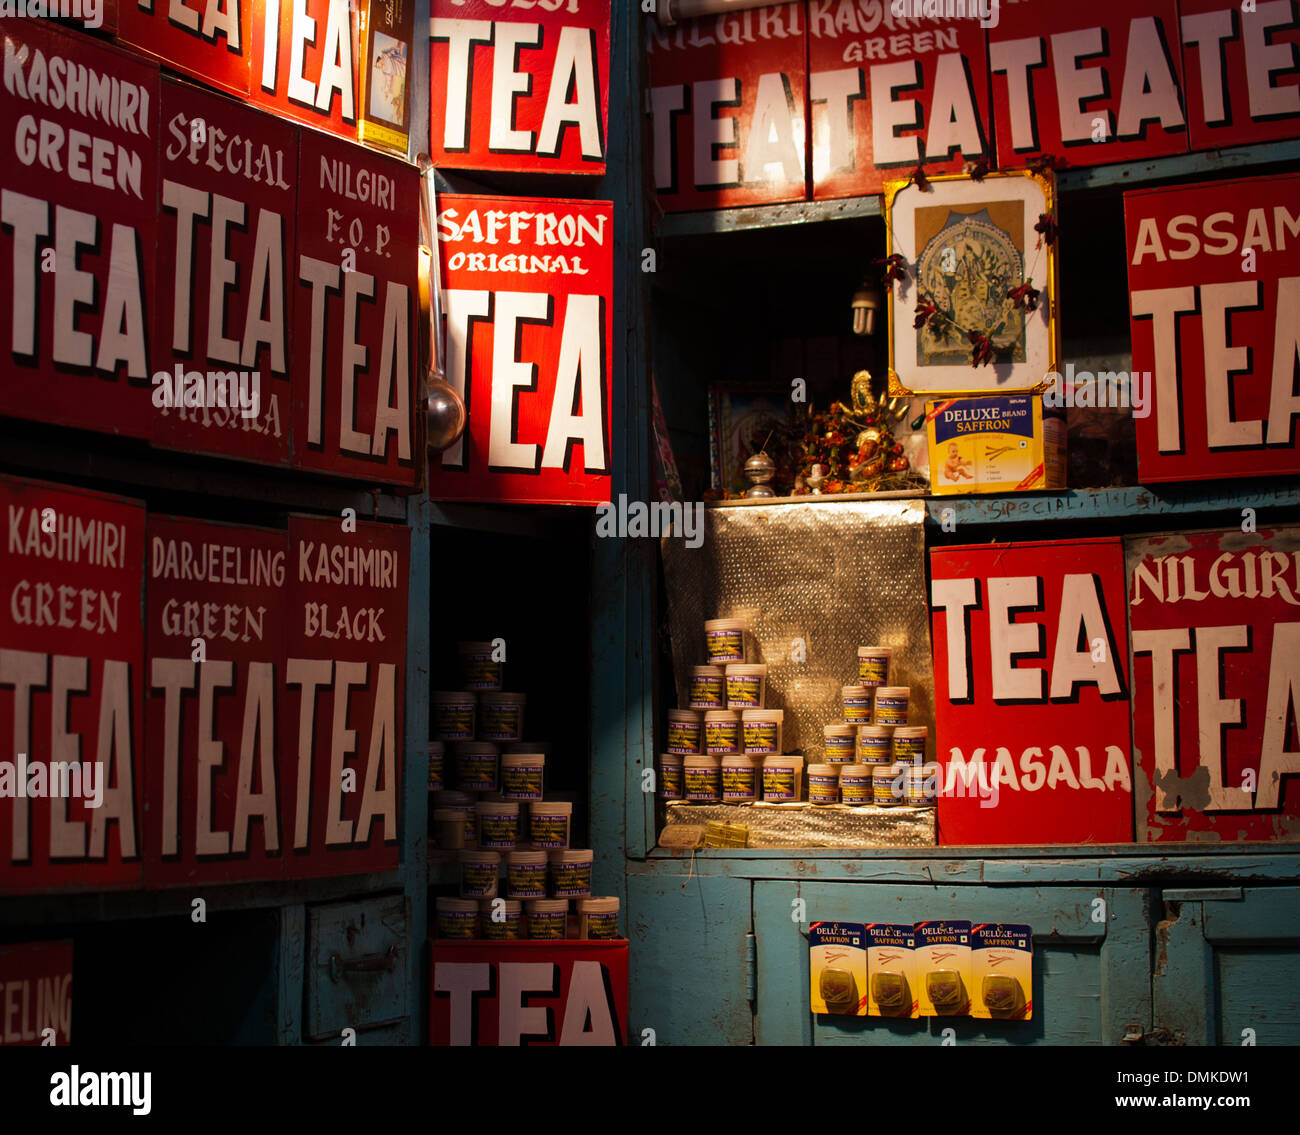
1218,163
623,571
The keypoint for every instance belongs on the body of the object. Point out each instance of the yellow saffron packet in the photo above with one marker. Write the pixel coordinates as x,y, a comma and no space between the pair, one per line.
943,962
891,970
837,958
1002,959
1000,444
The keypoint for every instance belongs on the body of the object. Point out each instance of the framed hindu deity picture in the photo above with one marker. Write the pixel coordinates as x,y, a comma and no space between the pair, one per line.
975,309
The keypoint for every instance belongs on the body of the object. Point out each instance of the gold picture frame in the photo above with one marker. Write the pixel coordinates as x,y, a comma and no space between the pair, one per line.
991,221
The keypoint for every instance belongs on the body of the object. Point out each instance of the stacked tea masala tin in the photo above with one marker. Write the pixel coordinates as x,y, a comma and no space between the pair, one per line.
872,755
727,746
519,877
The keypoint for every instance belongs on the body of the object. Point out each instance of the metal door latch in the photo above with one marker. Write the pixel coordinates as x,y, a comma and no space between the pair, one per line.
376,963
1133,1034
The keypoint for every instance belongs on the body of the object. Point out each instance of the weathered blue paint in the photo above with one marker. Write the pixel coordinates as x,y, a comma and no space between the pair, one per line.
1259,914
1182,979
1219,163
1024,866
289,1000
1230,162
1244,958
1109,504
708,222
689,957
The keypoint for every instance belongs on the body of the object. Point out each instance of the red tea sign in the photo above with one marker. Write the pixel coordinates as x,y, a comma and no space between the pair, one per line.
216,605
341,715
727,106
1214,293
226,259
565,993
209,41
1215,620
1088,83
354,366
527,286
519,86
1239,59
71,661
78,229
36,993
891,94
1031,693
305,62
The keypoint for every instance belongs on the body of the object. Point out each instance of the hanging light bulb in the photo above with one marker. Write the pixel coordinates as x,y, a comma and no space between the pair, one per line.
444,408
868,301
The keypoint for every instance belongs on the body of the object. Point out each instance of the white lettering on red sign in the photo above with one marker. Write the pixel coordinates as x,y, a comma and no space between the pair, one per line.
64,677
577,409
1252,574
119,338
1082,620
587,998
1221,233
335,79
574,72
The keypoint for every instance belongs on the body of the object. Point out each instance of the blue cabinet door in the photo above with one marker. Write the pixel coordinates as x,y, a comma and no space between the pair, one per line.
1226,965
1092,961
690,944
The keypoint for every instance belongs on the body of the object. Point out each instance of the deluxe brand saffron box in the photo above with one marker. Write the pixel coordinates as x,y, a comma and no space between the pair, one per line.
998,444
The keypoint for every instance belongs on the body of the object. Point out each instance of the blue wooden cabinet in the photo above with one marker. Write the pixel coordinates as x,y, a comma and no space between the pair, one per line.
720,956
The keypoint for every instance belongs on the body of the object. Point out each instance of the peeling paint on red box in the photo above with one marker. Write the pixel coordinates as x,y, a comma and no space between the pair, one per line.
1215,620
